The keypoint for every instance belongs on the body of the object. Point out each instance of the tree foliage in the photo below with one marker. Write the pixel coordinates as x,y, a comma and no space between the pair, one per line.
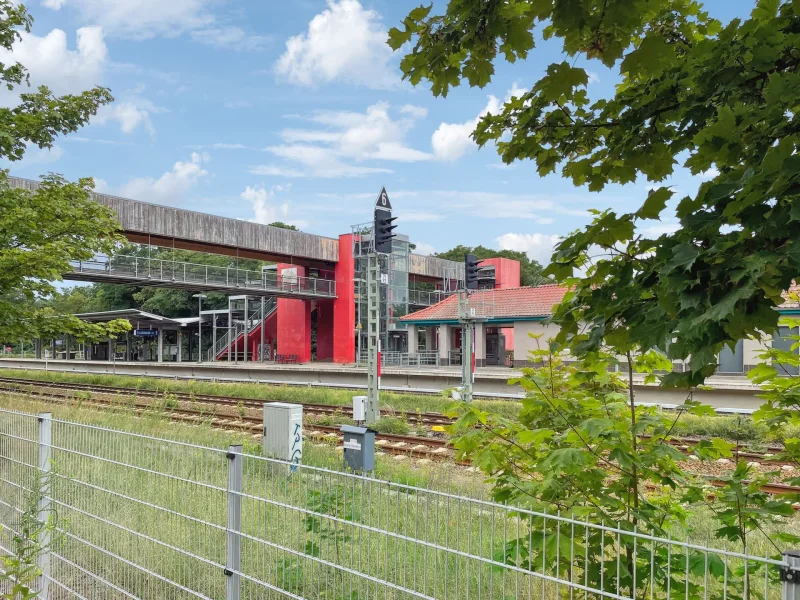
41,231
581,447
693,92
530,270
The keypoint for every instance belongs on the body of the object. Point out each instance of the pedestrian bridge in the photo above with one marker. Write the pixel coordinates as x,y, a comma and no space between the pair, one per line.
143,271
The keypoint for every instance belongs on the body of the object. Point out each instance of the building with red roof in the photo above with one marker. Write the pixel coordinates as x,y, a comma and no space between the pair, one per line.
518,311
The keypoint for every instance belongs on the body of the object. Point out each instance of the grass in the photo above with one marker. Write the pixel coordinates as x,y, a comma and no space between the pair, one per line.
174,502
391,402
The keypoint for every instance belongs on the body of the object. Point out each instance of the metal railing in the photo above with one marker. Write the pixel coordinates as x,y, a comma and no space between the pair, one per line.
427,298
146,517
206,276
423,358
253,321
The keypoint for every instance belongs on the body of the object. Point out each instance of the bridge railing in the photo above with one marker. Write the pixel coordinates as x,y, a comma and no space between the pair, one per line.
427,297
139,267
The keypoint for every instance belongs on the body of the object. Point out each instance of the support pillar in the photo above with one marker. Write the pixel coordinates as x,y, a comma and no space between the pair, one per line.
53,348
110,349
413,340
128,346
480,344
430,338
344,306
180,346
160,353
445,344
294,319
38,348
67,347
325,330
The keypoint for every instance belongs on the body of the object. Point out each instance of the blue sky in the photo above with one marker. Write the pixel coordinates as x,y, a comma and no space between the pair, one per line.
295,111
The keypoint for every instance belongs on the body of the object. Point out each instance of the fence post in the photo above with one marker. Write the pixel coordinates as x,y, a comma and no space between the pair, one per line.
45,452
790,575
233,561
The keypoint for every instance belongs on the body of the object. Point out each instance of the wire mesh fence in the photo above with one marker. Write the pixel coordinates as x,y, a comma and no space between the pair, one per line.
145,517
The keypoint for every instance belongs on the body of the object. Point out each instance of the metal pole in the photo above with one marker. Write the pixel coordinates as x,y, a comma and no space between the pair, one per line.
230,332
233,560
246,329
180,346
160,345
214,335
45,453
199,328
263,326
373,343
467,345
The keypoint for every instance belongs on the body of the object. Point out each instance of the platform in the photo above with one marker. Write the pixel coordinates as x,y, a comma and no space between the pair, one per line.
733,393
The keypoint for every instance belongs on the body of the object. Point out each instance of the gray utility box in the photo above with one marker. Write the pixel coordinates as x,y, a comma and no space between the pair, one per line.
283,431
359,448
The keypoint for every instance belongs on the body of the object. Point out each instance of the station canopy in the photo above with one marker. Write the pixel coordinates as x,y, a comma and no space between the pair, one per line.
138,318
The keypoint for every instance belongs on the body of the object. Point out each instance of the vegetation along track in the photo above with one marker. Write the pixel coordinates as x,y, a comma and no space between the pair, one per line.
428,419
433,448
420,447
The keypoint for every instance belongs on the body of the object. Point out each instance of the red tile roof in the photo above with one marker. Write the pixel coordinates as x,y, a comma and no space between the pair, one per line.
788,302
499,304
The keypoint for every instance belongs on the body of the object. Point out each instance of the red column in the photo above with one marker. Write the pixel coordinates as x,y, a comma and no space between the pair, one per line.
507,275
344,307
294,320
325,330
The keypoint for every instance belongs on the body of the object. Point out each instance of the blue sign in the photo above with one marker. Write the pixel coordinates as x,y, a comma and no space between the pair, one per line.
145,333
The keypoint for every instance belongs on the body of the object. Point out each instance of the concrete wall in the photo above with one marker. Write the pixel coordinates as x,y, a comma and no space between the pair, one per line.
523,343
432,267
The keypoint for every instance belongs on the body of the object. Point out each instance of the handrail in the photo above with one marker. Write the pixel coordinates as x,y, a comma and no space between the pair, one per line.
253,322
193,273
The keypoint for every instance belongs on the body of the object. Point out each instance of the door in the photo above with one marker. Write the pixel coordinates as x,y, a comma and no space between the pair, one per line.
782,341
732,361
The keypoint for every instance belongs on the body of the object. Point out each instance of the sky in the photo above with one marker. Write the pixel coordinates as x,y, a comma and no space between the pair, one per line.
296,111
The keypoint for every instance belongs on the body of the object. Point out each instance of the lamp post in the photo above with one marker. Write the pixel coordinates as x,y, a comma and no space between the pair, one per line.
199,325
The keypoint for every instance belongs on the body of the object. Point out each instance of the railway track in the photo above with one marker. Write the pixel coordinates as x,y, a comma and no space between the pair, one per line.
414,446
428,419
421,447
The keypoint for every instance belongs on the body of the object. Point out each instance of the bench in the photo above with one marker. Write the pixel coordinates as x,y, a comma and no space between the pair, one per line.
286,358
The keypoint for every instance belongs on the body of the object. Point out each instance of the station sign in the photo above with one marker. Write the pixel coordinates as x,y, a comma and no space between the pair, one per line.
145,333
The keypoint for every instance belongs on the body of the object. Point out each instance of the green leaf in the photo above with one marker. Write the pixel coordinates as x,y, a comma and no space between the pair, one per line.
655,203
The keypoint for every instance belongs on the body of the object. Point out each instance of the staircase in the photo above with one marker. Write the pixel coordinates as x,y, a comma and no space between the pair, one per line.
255,321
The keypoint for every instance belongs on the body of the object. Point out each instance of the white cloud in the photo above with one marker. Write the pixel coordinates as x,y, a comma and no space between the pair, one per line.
660,229
172,186
593,77
265,207
341,141
417,112
51,63
538,246
142,19
87,140
231,38
36,156
419,216
710,174
130,114
451,141
344,42
424,249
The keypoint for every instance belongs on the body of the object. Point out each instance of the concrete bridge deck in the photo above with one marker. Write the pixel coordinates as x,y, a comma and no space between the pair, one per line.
728,393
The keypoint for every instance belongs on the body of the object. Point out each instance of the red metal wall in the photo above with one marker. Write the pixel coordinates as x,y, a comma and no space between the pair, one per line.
294,322
325,330
344,306
507,275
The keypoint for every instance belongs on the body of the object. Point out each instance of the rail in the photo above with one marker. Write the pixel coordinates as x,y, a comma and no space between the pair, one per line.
138,516
422,358
427,298
141,269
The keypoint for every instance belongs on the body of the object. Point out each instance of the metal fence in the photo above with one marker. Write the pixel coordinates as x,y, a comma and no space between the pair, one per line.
427,297
145,517
422,358
139,268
